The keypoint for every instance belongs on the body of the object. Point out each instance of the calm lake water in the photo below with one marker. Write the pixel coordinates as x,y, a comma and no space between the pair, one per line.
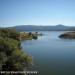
51,55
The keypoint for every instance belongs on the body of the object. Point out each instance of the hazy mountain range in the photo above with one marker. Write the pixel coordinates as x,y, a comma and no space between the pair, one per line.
44,28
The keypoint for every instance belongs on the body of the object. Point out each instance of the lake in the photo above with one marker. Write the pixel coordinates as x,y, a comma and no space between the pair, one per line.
51,55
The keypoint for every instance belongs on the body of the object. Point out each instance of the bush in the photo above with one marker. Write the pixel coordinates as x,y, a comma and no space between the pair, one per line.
12,57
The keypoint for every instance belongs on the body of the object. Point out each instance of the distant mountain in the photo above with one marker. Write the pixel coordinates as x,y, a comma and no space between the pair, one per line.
43,28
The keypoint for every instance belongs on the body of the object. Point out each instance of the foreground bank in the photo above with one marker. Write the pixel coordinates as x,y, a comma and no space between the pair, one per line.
12,58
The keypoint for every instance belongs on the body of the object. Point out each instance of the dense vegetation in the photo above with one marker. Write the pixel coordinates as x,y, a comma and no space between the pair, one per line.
12,57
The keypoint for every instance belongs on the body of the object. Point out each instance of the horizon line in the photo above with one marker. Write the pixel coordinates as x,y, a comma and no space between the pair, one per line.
37,25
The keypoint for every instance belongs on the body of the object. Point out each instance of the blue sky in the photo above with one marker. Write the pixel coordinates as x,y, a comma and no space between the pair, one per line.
37,12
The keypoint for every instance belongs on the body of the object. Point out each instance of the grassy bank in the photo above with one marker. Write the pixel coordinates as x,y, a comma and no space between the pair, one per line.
29,35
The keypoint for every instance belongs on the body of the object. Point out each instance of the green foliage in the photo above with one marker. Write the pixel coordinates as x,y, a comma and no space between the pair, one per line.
11,54
11,33
8,45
